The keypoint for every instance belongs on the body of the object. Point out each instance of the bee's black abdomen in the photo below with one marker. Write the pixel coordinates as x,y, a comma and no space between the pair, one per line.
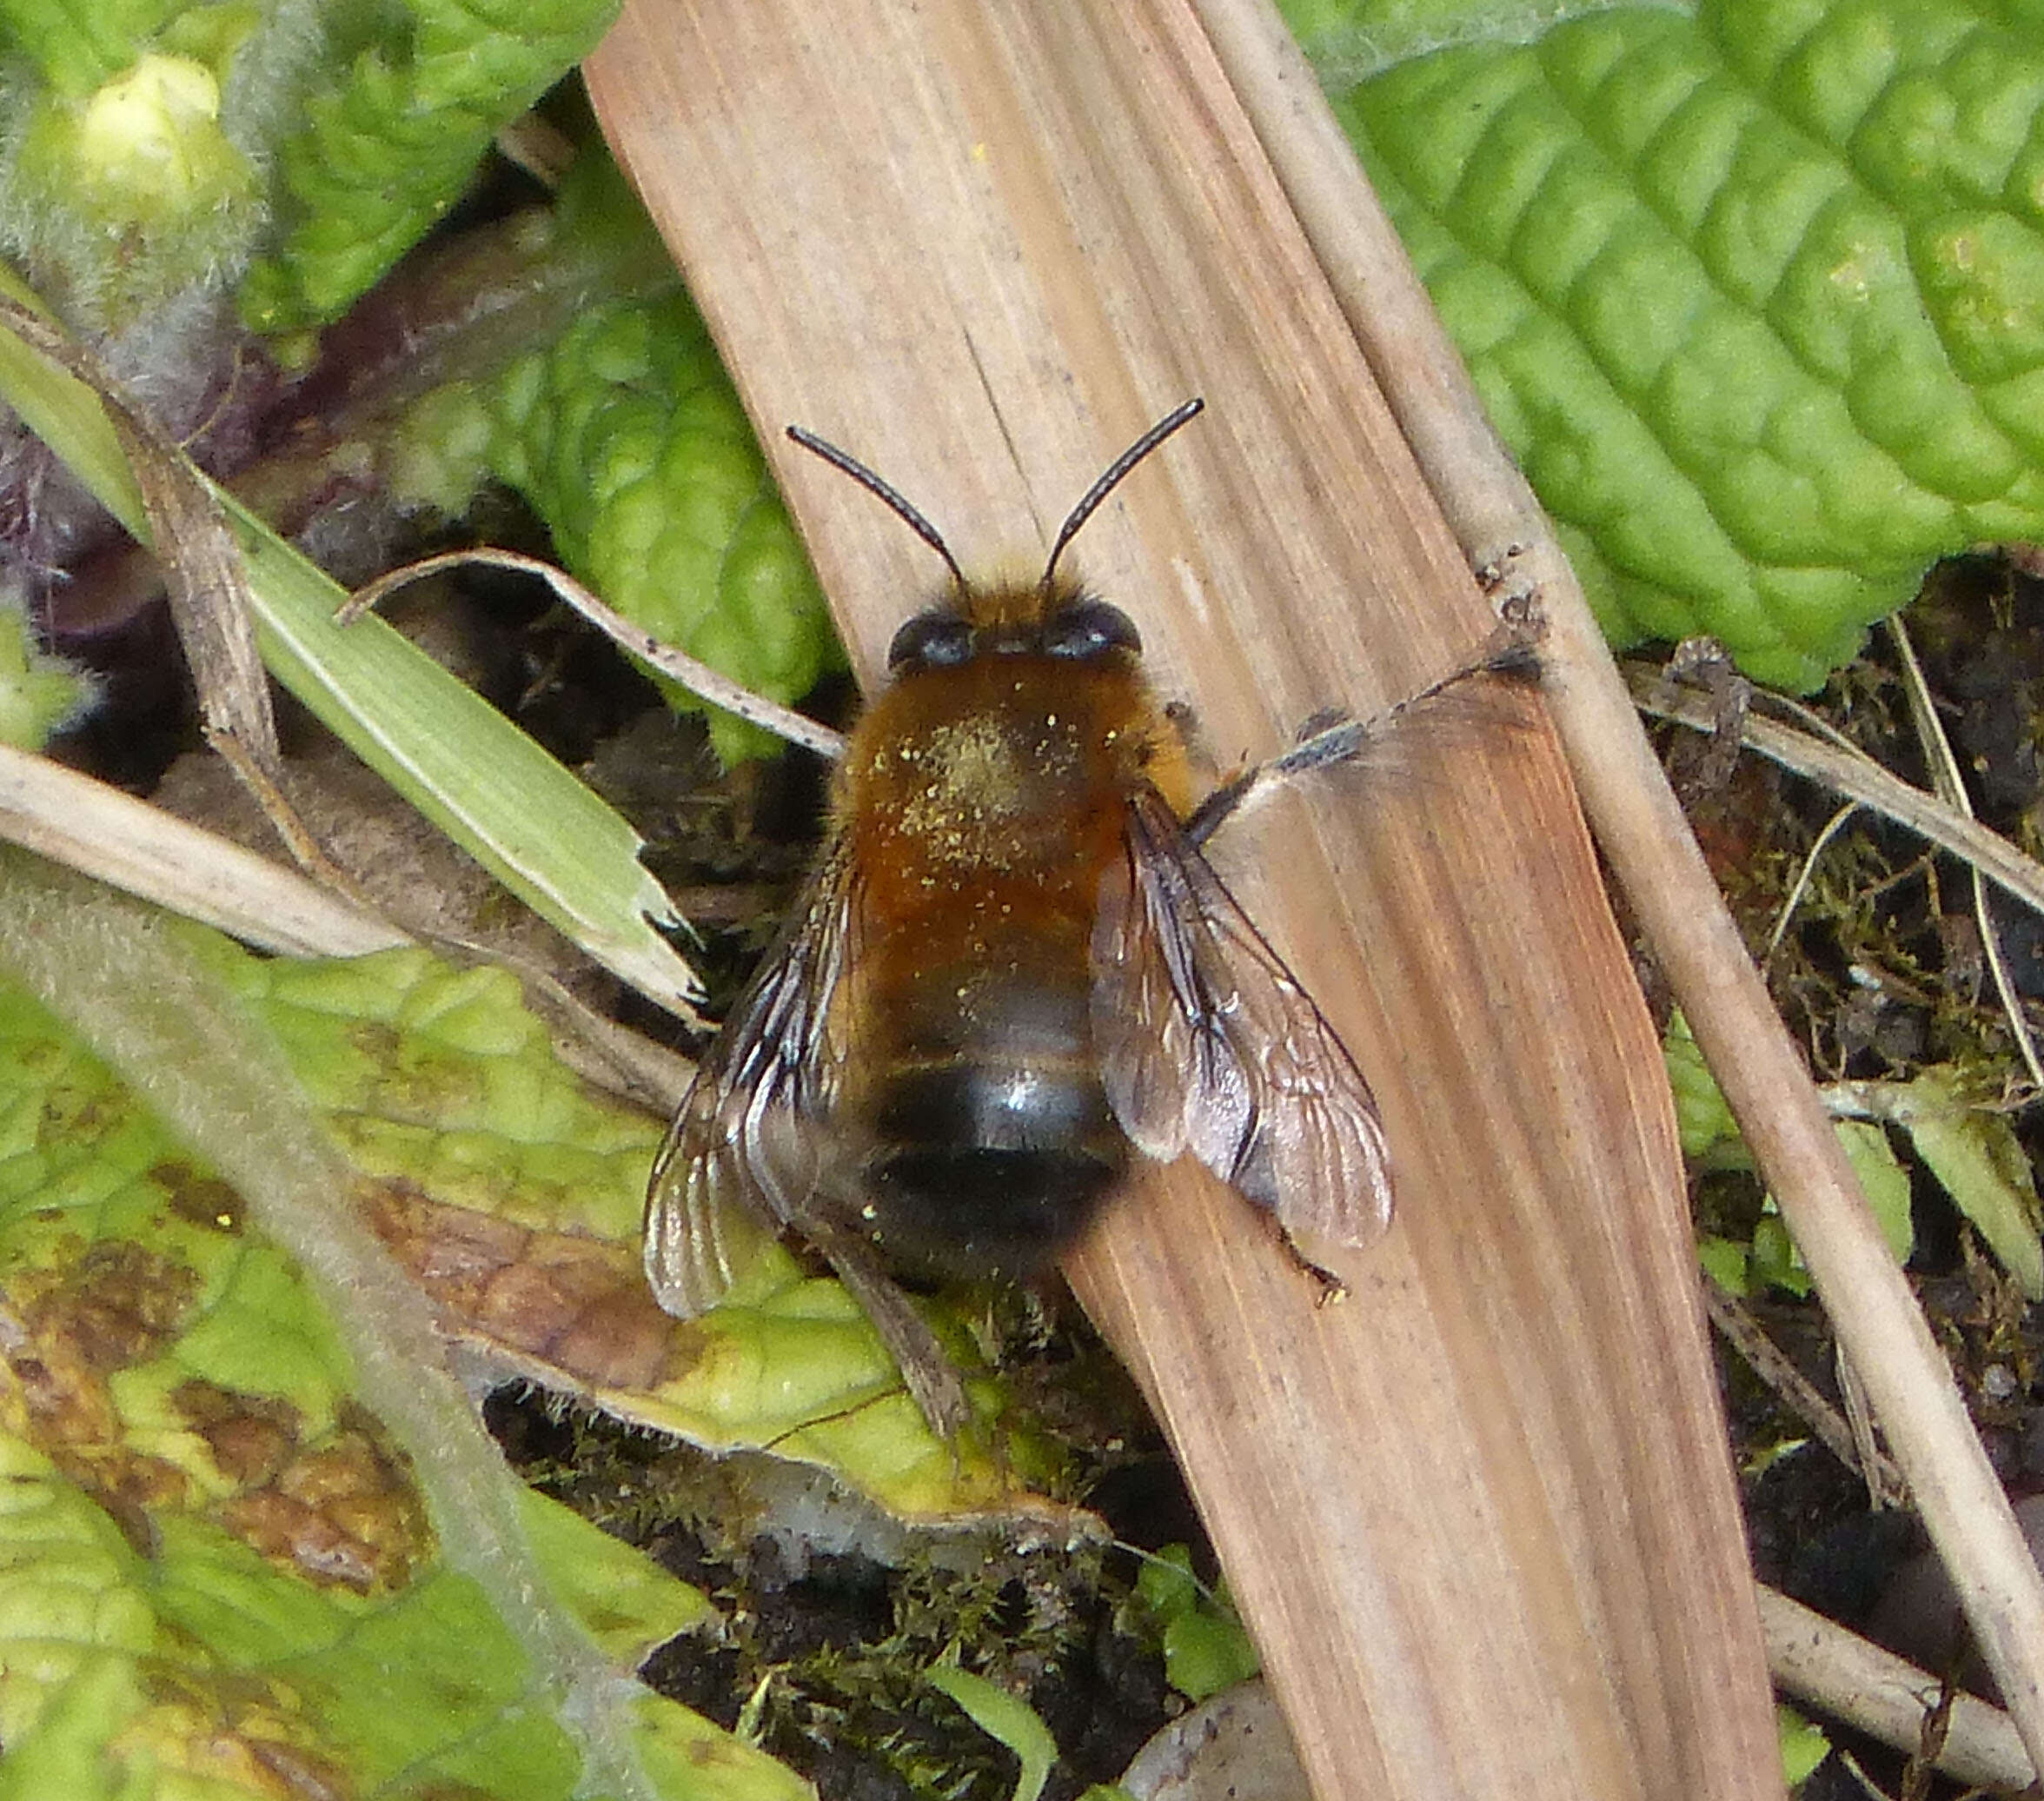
976,1212
989,1167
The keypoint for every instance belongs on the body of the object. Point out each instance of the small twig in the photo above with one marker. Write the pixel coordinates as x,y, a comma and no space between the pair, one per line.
1859,1416
1797,1393
1857,776
1951,789
1833,826
1820,1663
699,678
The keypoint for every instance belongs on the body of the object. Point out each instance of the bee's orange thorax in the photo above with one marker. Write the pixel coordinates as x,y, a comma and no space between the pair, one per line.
993,791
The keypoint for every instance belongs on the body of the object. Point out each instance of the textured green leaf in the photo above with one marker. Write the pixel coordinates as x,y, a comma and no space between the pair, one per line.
216,1569
215,1560
76,46
1755,292
627,437
209,1561
390,142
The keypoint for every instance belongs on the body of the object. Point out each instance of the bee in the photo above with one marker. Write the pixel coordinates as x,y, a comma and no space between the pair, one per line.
1013,970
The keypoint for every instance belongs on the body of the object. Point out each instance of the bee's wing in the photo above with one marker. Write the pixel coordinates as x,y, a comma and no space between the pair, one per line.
744,1154
1207,1043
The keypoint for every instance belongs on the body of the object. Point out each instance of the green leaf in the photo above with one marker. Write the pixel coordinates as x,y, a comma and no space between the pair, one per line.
1165,1585
1703,1117
1710,1139
1974,1153
627,437
1754,291
390,142
692,1760
1774,1261
75,48
1772,1258
1724,1261
628,1604
241,1533
1205,1649
1804,1745
1884,1180
1004,1718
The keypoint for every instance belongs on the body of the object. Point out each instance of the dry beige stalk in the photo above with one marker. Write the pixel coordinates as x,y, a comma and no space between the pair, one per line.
59,813
1642,835
202,565
1480,1518
1853,1680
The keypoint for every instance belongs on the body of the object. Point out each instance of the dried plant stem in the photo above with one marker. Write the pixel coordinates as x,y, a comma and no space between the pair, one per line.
1804,875
1799,1394
1648,842
698,677
1818,1662
101,832
1951,790
1480,1520
1858,777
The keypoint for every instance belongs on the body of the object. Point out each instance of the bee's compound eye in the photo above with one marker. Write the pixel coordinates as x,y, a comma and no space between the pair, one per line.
937,640
1087,628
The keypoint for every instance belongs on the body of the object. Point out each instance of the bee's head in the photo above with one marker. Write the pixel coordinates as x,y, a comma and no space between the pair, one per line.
1052,616
1065,622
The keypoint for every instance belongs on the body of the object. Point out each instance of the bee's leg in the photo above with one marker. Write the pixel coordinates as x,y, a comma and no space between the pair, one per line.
1511,653
932,1379
1329,1290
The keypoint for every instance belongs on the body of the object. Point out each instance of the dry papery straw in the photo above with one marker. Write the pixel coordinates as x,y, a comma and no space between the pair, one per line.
981,246
1480,1520
1640,830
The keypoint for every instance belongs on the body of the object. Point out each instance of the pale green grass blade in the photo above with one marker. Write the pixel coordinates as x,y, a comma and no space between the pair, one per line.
463,764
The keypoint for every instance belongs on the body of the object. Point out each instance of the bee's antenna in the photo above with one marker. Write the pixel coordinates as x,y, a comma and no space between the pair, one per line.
843,461
1111,478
